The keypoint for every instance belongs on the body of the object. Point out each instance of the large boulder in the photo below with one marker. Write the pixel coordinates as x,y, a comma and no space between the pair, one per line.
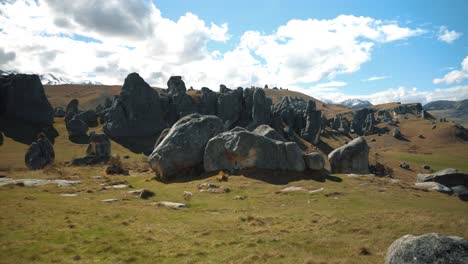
243,149
89,117
359,120
39,153
72,106
447,177
137,111
76,127
269,132
429,248
369,124
184,144
350,158
208,102
313,124
22,98
230,107
314,161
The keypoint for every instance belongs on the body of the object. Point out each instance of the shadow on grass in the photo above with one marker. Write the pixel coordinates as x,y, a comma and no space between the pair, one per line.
26,133
137,145
275,177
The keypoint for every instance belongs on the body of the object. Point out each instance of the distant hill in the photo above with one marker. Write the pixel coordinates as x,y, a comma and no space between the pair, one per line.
356,103
456,111
55,79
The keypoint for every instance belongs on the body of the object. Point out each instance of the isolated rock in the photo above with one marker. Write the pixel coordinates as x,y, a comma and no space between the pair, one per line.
448,177
314,161
39,153
429,248
172,205
37,182
184,145
22,98
99,146
137,112
176,86
72,106
230,107
404,165
76,127
433,186
59,112
242,149
350,158
269,132
116,166
397,133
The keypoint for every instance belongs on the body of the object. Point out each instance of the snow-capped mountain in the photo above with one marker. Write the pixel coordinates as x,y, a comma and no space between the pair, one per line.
55,79
356,103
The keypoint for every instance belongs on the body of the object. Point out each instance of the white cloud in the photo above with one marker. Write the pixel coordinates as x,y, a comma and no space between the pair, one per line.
455,76
400,94
331,84
375,78
43,36
448,36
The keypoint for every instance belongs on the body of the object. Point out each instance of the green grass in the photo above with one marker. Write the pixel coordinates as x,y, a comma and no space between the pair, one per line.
37,225
438,160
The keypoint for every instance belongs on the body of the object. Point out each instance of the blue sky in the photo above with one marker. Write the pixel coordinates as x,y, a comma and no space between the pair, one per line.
409,63
382,51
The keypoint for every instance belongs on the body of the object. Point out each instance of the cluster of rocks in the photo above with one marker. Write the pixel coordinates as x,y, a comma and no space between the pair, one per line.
202,140
449,181
78,122
99,150
141,112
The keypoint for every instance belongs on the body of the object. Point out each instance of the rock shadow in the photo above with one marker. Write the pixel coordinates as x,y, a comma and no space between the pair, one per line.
137,145
79,139
26,133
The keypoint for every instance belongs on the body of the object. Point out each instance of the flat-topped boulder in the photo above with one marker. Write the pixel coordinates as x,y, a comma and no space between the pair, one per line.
184,144
241,149
350,158
22,98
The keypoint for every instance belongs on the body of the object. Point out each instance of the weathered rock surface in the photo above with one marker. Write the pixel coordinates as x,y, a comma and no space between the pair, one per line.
184,144
208,102
230,107
313,123
358,123
242,149
261,108
350,158
314,161
89,117
137,112
39,153
162,136
37,182
433,186
448,177
267,131
59,112
176,86
22,98
76,127
429,248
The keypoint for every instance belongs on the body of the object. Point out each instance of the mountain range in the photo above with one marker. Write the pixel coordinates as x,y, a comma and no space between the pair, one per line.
55,79
456,111
356,103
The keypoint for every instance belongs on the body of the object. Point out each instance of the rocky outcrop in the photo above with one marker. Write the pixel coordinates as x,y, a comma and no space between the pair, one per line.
447,177
176,86
230,107
314,161
350,158
313,124
137,112
429,248
359,121
184,145
72,106
89,117
208,102
368,126
269,132
403,109
39,153
99,150
242,149
22,98
261,108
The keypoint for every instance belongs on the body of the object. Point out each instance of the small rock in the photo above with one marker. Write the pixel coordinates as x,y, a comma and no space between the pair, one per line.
212,188
373,140
187,195
426,167
171,205
117,186
240,197
126,157
421,136
434,126
404,165
111,200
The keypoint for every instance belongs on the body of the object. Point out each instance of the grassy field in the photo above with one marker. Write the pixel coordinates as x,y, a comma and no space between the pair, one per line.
353,220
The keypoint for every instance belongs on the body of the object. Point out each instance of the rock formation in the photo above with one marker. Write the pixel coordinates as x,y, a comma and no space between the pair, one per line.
313,124
314,161
350,158
269,132
39,153
241,149
22,98
184,145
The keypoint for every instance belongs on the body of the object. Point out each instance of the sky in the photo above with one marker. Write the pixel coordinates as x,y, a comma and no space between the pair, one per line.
381,51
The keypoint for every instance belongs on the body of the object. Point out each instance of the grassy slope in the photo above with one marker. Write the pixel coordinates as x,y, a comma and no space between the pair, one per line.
38,225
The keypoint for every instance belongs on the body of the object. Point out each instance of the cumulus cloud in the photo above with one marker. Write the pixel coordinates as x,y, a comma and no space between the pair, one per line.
400,94
296,53
6,56
375,78
447,36
455,76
